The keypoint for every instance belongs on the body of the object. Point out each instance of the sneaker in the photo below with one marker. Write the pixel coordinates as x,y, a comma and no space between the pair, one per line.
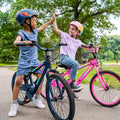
75,87
76,97
13,110
38,103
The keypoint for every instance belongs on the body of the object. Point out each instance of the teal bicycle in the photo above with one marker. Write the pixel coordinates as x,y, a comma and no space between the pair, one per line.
62,106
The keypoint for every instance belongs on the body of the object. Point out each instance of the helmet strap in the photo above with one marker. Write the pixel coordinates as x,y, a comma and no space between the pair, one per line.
29,25
75,35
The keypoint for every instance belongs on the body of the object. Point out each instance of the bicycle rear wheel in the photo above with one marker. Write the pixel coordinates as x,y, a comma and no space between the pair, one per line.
62,106
109,95
22,97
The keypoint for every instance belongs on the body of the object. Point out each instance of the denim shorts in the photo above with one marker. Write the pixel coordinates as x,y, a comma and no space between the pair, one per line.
21,71
26,66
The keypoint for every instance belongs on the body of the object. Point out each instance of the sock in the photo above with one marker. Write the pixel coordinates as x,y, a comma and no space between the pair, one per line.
37,97
15,102
73,80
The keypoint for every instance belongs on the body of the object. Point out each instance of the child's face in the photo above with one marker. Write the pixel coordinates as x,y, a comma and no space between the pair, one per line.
72,30
33,22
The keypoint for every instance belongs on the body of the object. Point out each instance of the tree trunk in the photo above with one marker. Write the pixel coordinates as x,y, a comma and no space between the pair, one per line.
78,56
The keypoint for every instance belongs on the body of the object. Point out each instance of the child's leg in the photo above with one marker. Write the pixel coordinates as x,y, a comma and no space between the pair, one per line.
36,100
40,87
14,106
65,60
19,80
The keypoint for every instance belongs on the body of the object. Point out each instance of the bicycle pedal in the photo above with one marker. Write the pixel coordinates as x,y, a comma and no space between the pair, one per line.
77,90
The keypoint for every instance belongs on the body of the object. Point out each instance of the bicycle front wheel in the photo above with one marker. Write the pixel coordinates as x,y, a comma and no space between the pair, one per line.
62,106
106,92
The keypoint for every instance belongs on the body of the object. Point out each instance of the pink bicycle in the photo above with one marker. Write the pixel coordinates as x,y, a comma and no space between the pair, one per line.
104,85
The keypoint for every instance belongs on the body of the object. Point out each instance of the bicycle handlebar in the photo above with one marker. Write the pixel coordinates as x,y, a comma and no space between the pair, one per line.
91,47
43,49
50,49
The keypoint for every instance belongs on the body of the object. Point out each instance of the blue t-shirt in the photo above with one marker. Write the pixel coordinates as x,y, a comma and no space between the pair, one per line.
28,55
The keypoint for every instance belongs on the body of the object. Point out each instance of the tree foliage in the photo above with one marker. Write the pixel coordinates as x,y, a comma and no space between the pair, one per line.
93,14
8,34
112,50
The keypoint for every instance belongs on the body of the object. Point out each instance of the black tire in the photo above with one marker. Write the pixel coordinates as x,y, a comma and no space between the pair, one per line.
110,96
62,106
22,97
43,91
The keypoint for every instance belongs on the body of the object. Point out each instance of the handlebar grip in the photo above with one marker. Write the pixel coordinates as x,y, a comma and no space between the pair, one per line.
84,46
63,44
91,46
24,44
33,42
20,44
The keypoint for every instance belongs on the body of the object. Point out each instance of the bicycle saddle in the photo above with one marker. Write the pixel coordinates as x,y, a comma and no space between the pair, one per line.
63,66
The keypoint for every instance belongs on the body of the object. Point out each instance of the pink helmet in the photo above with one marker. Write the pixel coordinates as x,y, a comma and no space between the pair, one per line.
78,25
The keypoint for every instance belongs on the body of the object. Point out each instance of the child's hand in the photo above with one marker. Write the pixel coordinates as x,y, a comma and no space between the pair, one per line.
27,42
96,47
53,16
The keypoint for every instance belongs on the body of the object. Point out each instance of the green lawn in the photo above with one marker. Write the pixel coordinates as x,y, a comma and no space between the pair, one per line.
114,68
110,61
8,64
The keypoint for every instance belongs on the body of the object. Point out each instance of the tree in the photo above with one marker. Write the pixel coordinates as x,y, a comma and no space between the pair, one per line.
113,45
110,55
93,14
8,34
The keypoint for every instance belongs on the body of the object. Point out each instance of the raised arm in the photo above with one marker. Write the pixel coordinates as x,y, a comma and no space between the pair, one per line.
56,28
46,24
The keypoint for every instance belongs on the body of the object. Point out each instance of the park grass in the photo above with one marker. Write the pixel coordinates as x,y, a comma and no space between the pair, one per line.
114,68
110,62
53,65
8,63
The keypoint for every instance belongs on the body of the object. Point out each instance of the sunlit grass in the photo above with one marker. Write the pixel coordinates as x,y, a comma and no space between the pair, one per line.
8,63
88,78
114,68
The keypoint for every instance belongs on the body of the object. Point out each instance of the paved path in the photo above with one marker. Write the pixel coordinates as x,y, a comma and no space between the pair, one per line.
86,108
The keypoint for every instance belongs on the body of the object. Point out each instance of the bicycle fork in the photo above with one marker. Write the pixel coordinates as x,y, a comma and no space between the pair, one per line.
101,79
55,84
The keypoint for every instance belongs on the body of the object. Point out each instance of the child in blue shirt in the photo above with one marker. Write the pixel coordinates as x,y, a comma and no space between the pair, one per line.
28,57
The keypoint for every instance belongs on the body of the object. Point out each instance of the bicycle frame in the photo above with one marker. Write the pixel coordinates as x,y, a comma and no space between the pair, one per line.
100,82
31,89
90,66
